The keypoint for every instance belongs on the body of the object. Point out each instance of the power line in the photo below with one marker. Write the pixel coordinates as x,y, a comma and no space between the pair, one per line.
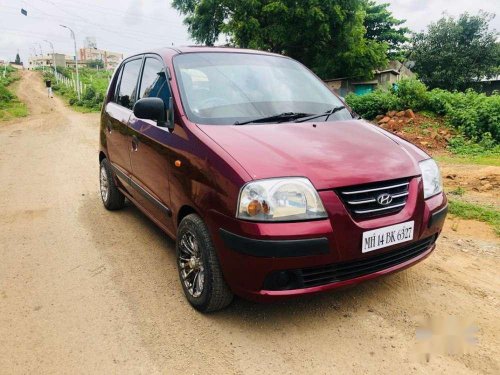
130,32
81,24
110,11
82,30
77,19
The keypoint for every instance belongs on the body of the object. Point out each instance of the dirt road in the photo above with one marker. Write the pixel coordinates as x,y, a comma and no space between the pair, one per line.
84,290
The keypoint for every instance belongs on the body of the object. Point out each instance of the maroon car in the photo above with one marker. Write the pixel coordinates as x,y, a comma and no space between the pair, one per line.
271,186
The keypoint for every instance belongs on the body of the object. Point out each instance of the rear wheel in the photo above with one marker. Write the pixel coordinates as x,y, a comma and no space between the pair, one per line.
199,269
112,198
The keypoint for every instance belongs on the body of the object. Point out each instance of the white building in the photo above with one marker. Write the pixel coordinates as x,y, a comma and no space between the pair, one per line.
47,61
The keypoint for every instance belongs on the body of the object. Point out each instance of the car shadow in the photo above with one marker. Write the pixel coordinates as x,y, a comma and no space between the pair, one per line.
140,241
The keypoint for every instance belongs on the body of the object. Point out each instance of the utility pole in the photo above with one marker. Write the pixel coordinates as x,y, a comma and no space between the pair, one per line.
53,59
33,57
41,55
76,61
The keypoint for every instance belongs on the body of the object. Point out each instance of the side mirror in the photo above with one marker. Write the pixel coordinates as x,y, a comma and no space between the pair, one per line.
153,109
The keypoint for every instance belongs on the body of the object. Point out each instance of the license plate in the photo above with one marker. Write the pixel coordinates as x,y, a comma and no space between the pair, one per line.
387,236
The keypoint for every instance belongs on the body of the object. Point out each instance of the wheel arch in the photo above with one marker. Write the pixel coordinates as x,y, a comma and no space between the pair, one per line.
184,211
102,156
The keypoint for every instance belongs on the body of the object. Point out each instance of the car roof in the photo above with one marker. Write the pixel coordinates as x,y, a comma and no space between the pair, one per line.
168,52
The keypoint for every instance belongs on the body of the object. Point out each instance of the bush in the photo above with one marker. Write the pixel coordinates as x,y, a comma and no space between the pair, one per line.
89,94
10,106
5,95
412,94
439,101
473,114
372,104
485,147
95,83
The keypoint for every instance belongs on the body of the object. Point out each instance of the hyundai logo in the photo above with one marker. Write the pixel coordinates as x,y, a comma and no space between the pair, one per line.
384,199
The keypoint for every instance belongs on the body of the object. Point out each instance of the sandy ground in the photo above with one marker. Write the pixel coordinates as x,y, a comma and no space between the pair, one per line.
84,290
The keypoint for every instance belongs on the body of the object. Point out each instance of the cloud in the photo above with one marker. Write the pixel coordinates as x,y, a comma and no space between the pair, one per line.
419,14
130,26
134,13
127,26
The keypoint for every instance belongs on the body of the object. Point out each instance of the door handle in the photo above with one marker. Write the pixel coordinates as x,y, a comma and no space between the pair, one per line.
135,143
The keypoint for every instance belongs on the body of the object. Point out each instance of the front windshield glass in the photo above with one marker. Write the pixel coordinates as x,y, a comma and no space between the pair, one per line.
228,88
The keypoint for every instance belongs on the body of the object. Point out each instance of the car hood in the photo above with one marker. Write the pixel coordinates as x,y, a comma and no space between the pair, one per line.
331,154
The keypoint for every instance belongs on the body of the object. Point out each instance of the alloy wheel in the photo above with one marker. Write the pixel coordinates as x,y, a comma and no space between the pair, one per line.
191,265
104,184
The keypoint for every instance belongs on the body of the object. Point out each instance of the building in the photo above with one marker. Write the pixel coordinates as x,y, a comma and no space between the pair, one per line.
110,59
47,61
487,86
394,72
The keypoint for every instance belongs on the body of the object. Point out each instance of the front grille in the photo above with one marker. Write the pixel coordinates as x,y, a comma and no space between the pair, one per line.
361,201
316,276
350,270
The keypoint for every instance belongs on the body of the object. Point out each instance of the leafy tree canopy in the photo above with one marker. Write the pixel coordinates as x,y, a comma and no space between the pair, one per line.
454,52
383,27
330,36
96,64
18,59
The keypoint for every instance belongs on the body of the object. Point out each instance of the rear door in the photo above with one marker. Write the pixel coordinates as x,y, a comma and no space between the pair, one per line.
118,112
151,155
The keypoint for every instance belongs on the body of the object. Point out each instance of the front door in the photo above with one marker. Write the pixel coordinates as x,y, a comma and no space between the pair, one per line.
118,112
150,156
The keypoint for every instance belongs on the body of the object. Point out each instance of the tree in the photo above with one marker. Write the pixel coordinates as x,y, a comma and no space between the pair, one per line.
326,35
383,27
455,52
18,59
96,64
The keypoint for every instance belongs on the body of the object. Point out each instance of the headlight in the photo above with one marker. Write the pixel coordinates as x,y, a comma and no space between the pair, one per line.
431,178
280,199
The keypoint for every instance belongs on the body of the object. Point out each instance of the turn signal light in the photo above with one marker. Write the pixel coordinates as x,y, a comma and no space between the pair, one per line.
255,207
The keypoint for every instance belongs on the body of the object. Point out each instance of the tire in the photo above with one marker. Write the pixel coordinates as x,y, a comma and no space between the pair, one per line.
112,198
197,260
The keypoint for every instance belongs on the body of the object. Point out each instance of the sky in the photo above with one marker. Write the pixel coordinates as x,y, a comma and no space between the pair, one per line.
130,26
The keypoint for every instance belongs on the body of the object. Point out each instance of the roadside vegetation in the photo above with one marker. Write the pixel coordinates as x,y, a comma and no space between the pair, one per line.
10,106
471,211
94,85
473,118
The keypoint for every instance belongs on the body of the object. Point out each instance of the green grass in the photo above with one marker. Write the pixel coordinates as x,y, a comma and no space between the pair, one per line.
13,109
10,106
459,191
95,81
470,159
472,211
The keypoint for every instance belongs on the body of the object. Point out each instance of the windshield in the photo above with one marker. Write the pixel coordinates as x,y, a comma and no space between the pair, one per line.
228,88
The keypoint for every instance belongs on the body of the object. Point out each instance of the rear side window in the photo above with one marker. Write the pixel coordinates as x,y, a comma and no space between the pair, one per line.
127,91
154,81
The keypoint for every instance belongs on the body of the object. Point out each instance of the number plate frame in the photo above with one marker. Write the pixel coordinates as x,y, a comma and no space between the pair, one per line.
387,236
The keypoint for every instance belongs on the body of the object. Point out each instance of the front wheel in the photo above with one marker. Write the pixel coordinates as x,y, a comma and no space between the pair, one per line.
199,270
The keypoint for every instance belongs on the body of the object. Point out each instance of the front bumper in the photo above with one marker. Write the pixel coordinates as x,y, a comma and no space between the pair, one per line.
251,253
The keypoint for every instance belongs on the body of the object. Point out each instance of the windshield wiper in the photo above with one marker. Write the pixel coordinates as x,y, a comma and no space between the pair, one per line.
279,117
327,114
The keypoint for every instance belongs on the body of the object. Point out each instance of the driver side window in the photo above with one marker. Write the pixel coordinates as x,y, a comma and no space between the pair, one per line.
154,81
